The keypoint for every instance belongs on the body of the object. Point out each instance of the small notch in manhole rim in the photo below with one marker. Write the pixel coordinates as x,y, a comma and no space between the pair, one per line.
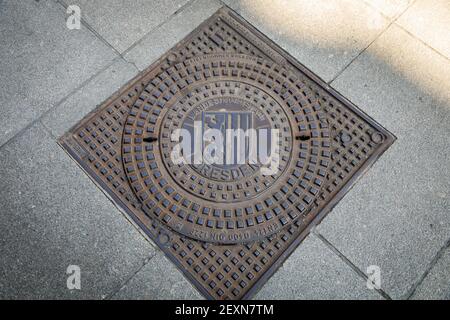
303,137
150,139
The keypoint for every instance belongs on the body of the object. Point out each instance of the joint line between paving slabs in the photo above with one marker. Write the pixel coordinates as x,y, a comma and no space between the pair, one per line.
423,42
433,262
91,29
114,203
55,105
169,18
39,118
348,262
370,44
174,245
101,38
82,85
115,291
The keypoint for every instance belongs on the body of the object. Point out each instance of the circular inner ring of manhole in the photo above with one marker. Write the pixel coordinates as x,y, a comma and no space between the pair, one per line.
226,200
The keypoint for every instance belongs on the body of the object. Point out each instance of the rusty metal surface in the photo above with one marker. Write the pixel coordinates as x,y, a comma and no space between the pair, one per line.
221,208
227,235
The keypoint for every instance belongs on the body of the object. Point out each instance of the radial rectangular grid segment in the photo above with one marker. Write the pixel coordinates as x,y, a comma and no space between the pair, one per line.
227,236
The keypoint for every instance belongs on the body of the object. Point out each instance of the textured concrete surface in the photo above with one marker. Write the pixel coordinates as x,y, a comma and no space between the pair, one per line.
159,279
429,20
87,98
41,61
52,215
397,216
318,33
315,272
173,30
123,22
436,285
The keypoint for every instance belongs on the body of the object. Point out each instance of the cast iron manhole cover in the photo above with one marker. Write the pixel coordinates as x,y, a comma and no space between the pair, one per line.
226,203
229,223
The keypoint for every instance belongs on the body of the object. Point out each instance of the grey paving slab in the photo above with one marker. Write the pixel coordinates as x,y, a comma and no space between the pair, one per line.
159,279
87,98
41,61
324,35
436,285
123,22
390,8
397,216
172,31
312,272
53,216
429,20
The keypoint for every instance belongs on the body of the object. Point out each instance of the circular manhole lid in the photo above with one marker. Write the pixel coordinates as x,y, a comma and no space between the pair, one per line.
223,195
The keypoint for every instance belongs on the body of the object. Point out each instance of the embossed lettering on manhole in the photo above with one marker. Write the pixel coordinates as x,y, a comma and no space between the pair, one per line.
226,225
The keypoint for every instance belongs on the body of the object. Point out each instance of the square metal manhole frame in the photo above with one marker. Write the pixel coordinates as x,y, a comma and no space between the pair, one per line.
154,230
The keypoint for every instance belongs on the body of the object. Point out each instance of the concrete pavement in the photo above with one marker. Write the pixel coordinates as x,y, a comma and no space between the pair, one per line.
374,52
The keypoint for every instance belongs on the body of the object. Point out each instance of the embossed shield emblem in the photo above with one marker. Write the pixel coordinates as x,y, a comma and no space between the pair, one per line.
223,121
